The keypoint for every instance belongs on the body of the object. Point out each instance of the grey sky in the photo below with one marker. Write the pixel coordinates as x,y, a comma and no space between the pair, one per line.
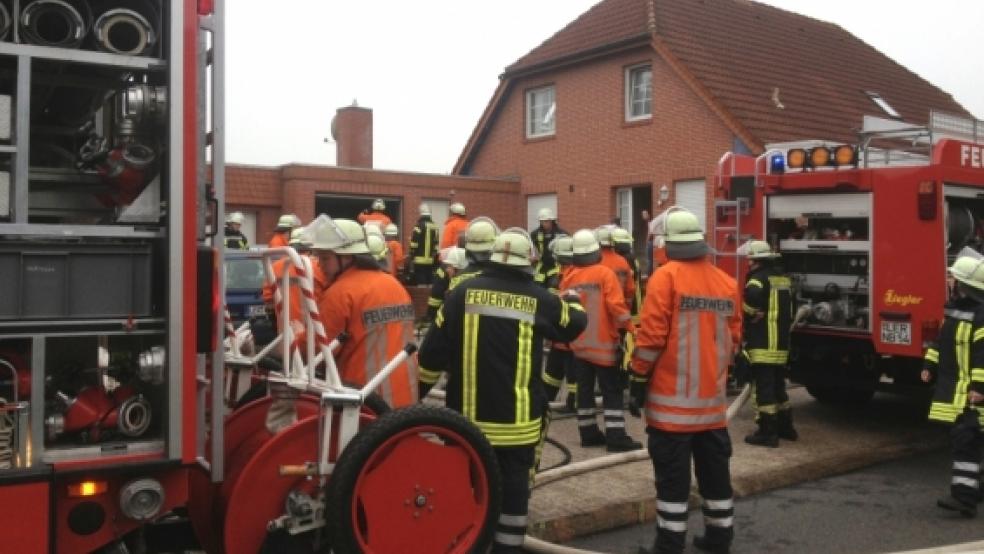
427,68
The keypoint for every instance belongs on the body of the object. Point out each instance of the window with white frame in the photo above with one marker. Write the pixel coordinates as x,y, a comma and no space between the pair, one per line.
638,92
541,108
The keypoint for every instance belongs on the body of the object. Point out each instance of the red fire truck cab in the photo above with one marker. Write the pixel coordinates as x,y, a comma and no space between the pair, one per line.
866,232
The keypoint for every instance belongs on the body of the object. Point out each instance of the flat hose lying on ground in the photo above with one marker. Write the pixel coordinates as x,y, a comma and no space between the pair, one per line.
533,544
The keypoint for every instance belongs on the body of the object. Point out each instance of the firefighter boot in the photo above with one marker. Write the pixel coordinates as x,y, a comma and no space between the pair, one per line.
707,545
617,441
784,425
956,505
766,433
591,435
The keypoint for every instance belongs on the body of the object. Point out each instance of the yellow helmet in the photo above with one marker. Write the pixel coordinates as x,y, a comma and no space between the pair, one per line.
545,214
341,236
286,221
513,247
604,234
584,241
621,236
969,270
562,248
299,238
454,257
379,205
683,226
757,250
424,209
480,235
457,208
236,217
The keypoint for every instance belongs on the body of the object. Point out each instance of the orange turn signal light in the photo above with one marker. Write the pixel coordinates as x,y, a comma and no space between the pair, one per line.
87,488
796,158
819,156
845,155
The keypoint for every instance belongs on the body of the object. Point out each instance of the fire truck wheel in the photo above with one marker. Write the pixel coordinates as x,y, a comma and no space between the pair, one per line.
826,394
419,479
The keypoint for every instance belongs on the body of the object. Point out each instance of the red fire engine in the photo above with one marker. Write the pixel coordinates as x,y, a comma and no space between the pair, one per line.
866,232
115,408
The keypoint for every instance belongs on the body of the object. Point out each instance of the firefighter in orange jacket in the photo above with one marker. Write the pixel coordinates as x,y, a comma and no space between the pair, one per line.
396,249
596,350
488,336
302,243
367,304
281,233
376,215
615,262
454,226
691,325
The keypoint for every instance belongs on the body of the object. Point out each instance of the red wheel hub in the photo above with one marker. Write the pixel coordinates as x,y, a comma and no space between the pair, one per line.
427,483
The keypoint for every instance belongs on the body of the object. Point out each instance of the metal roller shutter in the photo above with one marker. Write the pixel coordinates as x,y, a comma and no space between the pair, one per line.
693,196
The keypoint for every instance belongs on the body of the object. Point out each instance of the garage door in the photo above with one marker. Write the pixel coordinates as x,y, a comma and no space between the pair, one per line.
534,203
693,196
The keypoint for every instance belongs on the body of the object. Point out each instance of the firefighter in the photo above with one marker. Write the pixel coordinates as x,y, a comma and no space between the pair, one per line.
300,241
489,336
377,248
234,237
657,230
690,326
768,316
367,304
396,249
281,233
376,214
953,361
453,261
542,236
622,244
479,239
454,226
596,350
423,248
615,262
560,361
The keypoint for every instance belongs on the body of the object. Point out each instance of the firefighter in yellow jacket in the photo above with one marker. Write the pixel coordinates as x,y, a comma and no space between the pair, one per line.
489,336
955,361
691,325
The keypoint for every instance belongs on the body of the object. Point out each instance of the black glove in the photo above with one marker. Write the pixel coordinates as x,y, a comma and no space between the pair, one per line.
638,390
742,370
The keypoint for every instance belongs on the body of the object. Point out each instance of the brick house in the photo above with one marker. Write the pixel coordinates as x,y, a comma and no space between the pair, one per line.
631,105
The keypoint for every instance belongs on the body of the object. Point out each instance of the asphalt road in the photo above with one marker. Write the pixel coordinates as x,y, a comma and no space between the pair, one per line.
885,508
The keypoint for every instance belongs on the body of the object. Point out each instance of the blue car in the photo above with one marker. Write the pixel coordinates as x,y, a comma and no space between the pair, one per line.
244,293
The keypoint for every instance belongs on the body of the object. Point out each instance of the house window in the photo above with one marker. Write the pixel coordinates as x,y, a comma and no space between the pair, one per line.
883,104
638,92
541,108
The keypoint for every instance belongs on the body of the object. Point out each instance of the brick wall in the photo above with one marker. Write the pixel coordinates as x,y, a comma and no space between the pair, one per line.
594,150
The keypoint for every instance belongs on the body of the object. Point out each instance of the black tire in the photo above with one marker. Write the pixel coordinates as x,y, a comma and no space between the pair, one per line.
840,395
339,501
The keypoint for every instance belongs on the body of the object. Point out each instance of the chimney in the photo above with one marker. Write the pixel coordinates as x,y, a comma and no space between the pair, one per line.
352,130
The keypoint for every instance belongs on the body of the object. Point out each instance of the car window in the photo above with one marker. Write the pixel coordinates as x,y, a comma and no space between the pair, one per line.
244,274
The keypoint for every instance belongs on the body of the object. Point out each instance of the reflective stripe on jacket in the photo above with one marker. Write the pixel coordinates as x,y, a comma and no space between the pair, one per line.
604,303
376,312
691,325
768,309
423,240
956,359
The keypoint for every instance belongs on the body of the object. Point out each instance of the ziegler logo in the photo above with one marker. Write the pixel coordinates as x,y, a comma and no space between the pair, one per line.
894,299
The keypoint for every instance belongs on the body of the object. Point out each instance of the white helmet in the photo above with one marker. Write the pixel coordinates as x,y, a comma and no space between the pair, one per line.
391,230
454,257
658,224
287,221
604,234
376,246
545,214
341,236
299,238
372,229
621,236
379,205
457,208
562,246
969,270
584,242
683,226
480,235
757,250
424,209
236,217
513,247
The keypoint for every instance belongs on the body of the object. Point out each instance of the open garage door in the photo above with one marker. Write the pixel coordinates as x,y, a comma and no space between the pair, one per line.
349,207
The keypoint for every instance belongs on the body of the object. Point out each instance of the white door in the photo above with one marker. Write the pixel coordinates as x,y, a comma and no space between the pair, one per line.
693,196
248,227
439,212
623,207
536,202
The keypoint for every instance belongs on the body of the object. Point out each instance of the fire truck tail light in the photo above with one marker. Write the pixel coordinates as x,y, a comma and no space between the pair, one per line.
796,158
820,156
926,202
206,7
86,488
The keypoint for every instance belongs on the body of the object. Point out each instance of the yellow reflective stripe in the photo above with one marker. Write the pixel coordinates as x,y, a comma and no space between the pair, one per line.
439,320
979,334
551,380
524,364
753,283
767,409
469,366
932,356
434,302
427,240
760,356
428,376
749,309
511,434
963,362
977,374
565,314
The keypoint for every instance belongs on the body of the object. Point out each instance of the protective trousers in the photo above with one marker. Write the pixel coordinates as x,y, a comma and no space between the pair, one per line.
769,388
612,387
559,367
965,442
515,464
671,454
423,274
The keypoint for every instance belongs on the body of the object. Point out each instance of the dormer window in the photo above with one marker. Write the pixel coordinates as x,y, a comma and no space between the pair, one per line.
883,104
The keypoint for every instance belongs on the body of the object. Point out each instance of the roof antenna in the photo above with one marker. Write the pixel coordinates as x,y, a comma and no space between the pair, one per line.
775,99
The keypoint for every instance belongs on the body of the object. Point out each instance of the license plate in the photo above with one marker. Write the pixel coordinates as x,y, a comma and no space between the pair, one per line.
896,332
256,310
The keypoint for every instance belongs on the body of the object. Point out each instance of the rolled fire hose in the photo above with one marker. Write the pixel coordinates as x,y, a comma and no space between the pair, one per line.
536,545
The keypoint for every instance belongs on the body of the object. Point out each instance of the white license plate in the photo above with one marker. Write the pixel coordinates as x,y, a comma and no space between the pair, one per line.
256,310
896,332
